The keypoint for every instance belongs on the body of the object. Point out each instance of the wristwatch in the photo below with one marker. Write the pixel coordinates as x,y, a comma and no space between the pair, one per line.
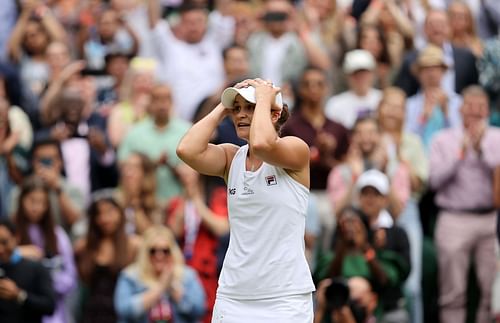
21,297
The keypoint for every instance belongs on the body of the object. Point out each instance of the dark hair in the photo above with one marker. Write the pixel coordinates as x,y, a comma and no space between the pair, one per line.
87,260
7,223
384,55
46,141
363,119
190,5
46,223
12,84
285,113
230,47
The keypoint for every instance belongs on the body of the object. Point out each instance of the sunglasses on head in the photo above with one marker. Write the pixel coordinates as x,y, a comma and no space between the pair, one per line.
153,251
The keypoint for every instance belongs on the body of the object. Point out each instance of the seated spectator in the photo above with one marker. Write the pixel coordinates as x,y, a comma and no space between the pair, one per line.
58,57
157,137
432,108
463,28
360,301
89,160
101,255
198,219
26,288
158,286
35,29
134,99
462,164
109,34
362,98
66,200
367,151
136,193
41,240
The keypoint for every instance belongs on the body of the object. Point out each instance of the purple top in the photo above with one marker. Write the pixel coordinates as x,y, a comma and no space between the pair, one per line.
463,183
62,268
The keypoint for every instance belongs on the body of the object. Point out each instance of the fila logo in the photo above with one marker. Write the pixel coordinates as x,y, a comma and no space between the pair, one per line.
271,180
232,191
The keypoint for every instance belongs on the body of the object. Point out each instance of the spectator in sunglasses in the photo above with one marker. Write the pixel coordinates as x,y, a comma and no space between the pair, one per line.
158,286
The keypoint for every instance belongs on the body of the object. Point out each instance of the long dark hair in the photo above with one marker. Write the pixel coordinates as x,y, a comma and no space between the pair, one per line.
285,113
95,236
384,57
46,223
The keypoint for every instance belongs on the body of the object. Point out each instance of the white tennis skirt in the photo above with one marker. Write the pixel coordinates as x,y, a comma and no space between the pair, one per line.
287,309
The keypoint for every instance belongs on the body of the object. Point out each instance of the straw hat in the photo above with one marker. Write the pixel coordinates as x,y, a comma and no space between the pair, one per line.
430,56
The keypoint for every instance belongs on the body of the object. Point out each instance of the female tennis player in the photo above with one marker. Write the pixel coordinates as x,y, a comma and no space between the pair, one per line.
265,277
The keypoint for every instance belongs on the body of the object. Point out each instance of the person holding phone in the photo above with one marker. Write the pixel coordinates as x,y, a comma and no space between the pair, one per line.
265,276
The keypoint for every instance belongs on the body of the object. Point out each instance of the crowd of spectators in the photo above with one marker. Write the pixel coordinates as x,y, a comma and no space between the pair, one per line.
398,100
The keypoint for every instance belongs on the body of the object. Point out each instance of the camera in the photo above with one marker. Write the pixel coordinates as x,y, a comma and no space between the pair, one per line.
337,296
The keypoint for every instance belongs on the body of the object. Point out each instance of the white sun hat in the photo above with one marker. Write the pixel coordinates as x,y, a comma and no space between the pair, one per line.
248,93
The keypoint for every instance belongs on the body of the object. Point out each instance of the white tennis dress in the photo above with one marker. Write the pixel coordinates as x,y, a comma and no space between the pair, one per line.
265,276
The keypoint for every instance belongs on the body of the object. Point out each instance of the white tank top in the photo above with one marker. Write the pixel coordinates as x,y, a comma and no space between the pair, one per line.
267,210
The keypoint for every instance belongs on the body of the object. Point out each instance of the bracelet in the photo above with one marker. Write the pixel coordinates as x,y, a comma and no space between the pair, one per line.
369,254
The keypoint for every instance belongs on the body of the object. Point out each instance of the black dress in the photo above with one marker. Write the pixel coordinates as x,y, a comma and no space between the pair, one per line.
99,305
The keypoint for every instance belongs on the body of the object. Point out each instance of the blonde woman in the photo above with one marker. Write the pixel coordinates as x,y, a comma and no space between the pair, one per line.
158,286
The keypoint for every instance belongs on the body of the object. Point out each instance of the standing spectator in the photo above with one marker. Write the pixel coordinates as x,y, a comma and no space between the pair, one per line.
367,151
463,28
13,157
158,286
397,26
35,29
372,38
277,52
110,34
134,98
190,56
136,192
198,220
362,98
41,240
433,107
407,148
101,255
66,200
157,137
26,293
89,160
462,161
328,140
461,62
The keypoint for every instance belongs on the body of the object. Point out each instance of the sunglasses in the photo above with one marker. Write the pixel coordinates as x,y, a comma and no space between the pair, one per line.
165,251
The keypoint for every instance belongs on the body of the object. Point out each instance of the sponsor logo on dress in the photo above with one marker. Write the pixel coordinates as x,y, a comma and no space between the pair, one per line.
271,180
247,191
232,191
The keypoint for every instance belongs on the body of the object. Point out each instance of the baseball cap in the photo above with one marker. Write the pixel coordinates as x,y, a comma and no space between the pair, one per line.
374,178
248,93
358,59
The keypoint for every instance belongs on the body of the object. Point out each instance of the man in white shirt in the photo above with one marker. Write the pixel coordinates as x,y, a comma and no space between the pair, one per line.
362,98
191,53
